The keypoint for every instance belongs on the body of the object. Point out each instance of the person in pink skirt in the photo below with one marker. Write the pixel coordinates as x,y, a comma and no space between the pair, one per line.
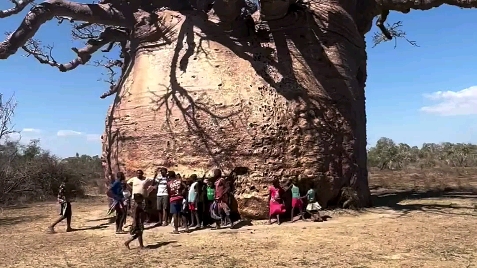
276,206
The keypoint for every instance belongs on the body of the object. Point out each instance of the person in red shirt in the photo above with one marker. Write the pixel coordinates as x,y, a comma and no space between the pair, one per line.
176,190
222,191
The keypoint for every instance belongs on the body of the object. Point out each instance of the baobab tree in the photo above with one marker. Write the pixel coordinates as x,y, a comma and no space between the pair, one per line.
206,84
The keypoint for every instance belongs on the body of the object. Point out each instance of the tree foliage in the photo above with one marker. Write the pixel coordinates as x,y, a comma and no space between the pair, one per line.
386,154
29,173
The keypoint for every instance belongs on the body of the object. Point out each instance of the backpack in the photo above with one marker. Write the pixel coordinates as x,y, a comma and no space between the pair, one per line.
214,211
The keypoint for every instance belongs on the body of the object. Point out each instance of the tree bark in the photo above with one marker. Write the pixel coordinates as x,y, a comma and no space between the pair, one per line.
290,104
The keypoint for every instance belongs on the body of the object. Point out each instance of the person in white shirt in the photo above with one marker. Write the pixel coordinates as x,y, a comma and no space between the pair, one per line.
162,198
193,198
140,185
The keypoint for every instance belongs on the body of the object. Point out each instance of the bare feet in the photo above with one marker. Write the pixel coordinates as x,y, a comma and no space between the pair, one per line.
69,230
51,230
127,244
175,232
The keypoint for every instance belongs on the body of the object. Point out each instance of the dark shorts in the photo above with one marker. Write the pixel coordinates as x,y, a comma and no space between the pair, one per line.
162,203
136,230
176,207
65,209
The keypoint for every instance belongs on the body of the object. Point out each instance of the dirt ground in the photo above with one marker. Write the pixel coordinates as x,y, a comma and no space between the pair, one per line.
415,227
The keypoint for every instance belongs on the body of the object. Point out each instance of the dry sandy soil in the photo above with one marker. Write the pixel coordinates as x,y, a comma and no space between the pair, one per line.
416,227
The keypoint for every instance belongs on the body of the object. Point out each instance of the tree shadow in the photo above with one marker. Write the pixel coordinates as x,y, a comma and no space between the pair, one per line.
160,244
392,200
9,221
328,116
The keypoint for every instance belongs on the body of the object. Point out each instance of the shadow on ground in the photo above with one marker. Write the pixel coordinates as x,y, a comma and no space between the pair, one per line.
96,227
160,244
8,221
393,200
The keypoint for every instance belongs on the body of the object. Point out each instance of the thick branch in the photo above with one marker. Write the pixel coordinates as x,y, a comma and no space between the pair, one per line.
405,5
38,15
19,6
109,35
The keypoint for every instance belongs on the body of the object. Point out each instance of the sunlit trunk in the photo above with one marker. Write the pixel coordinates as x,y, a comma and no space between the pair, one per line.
288,103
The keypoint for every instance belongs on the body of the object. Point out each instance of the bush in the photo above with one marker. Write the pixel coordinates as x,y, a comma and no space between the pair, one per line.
29,173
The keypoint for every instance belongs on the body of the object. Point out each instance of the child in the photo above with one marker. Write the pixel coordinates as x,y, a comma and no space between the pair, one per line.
313,207
209,199
176,192
65,209
276,206
297,202
193,200
139,216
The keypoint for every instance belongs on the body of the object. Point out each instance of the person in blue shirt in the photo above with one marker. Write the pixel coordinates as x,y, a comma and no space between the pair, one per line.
116,193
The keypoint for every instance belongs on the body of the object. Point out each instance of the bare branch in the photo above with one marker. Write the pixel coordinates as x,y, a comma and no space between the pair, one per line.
19,6
125,64
82,31
44,53
109,35
406,5
7,110
94,13
390,32
34,48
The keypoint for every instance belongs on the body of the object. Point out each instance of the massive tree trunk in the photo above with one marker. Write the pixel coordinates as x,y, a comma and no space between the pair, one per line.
288,101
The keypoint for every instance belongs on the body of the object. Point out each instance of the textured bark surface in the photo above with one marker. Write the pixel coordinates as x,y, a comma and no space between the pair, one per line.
290,104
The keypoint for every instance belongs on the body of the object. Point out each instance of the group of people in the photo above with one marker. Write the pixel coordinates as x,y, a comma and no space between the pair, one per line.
187,202
191,202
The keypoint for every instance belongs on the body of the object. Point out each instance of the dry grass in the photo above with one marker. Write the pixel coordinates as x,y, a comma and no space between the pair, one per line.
409,229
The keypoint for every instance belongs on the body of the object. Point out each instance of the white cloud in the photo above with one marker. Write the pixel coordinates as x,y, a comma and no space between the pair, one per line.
463,102
32,130
93,137
64,133
13,136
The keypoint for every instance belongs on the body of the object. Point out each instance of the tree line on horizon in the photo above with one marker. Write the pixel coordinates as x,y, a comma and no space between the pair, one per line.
389,155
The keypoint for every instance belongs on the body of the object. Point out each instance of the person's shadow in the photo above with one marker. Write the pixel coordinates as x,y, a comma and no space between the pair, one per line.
160,244
96,227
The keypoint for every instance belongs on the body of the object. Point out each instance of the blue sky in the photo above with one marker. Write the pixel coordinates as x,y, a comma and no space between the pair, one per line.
414,94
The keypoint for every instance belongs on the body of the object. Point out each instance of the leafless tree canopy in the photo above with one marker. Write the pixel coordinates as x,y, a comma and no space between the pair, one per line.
7,108
112,23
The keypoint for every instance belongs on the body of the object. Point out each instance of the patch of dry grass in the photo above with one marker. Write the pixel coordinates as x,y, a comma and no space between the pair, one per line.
405,231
